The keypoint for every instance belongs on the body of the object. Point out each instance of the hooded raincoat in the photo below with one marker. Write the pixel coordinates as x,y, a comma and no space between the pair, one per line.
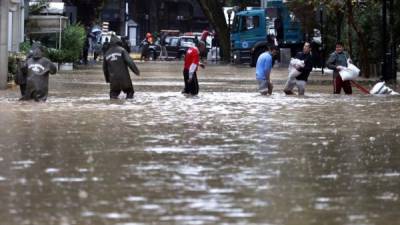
37,69
115,67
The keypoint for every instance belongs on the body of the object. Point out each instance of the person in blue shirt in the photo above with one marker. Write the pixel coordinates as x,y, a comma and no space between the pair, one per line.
264,66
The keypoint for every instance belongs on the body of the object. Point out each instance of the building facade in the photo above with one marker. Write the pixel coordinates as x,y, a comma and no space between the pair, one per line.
12,18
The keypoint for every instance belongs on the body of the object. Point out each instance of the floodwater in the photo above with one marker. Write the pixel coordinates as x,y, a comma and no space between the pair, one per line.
227,156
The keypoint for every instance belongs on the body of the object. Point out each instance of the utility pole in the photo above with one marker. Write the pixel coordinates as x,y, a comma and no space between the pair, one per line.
384,41
126,17
389,51
4,7
321,14
393,53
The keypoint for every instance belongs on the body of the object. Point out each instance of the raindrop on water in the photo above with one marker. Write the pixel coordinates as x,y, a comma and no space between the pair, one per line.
83,194
90,159
372,139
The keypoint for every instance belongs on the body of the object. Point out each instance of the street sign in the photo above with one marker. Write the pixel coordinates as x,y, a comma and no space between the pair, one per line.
105,26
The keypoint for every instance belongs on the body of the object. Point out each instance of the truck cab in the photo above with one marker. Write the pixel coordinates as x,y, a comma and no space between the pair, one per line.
254,29
248,29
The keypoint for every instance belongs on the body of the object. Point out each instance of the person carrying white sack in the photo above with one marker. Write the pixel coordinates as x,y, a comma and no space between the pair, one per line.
338,61
299,71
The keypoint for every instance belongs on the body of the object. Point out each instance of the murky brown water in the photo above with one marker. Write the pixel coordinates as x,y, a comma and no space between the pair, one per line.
220,158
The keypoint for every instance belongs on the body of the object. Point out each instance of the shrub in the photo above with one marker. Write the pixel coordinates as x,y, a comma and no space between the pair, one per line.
36,8
73,39
12,64
55,55
24,47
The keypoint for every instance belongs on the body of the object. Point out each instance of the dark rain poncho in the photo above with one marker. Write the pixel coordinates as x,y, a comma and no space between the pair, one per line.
37,69
115,67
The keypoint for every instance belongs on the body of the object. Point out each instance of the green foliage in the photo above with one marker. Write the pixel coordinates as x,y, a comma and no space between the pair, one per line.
24,47
12,65
70,56
55,55
367,16
369,19
73,39
35,9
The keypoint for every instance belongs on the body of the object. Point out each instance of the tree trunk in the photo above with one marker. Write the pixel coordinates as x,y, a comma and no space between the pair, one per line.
349,36
153,15
339,18
361,37
213,10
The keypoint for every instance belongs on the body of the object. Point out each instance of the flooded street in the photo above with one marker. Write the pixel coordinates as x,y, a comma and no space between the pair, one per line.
227,156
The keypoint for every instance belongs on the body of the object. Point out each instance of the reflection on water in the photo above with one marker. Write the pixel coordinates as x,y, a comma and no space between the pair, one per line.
219,158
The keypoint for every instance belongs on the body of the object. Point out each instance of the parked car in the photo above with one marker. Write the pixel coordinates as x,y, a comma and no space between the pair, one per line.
176,46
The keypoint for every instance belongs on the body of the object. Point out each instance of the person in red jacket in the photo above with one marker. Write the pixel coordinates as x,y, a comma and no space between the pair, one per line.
192,62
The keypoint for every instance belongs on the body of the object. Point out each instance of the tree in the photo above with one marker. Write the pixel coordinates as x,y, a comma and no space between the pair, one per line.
213,9
214,12
396,28
337,11
304,11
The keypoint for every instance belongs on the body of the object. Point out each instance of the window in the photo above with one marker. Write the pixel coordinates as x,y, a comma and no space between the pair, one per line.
191,40
174,42
244,23
252,22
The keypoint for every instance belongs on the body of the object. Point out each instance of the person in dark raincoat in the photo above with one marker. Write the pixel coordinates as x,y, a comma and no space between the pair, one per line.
106,45
20,78
85,51
126,44
37,69
115,67
21,75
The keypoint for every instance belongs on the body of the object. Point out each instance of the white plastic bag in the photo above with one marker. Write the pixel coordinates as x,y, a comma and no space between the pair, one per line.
353,68
293,72
381,89
350,72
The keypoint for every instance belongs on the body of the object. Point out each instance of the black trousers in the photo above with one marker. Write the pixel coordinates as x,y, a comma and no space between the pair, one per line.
114,93
85,56
37,96
22,88
190,87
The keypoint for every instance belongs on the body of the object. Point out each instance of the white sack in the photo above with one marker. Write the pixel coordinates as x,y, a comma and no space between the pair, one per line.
381,89
349,73
293,72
